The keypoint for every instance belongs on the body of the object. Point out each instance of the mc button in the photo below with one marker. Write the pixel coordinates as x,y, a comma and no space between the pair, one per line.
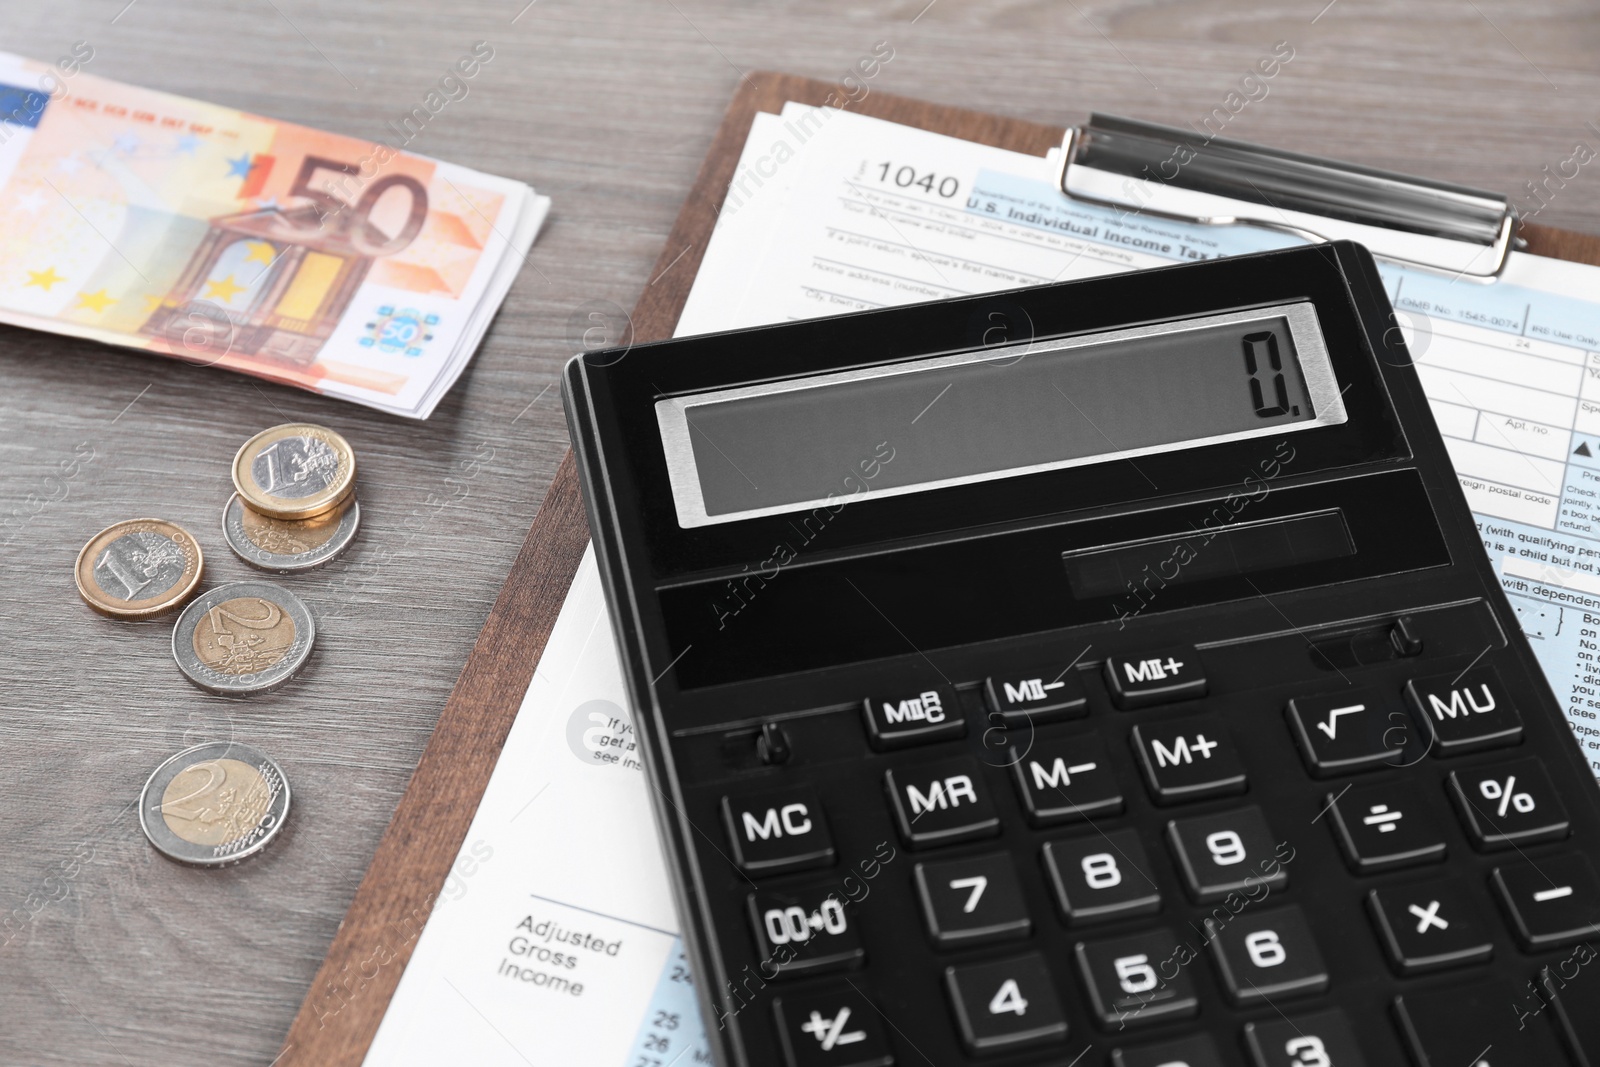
1155,677
783,830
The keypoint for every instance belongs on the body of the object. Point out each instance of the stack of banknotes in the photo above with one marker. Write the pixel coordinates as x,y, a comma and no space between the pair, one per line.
347,267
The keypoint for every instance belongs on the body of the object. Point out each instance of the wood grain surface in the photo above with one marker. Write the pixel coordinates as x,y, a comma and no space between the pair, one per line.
111,955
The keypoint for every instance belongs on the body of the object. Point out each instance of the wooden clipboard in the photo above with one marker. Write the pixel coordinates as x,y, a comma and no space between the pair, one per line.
351,992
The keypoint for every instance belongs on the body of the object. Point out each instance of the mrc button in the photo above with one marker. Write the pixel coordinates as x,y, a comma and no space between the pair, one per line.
1157,676
780,830
913,717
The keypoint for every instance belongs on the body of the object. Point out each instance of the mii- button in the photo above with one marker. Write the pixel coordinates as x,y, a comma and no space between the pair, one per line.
1158,676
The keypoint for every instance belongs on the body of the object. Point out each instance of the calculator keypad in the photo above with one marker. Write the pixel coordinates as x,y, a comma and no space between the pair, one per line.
1429,925
972,901
1101,876
942,803
1006,1004
1191,758
995,841
1231,851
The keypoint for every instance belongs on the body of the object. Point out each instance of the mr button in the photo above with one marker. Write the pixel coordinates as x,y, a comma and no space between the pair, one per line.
942,803
781,830
1155,677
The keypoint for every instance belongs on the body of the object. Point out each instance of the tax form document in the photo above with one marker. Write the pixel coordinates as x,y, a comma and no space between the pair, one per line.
554,942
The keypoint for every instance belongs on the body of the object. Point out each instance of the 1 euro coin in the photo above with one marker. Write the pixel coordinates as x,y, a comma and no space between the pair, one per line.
138,569
214,804
288,545
295,471
244,637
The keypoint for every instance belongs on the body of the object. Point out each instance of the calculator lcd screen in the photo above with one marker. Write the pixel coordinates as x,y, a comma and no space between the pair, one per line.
999,412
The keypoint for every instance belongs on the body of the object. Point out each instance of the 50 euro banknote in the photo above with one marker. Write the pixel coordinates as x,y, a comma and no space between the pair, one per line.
152,221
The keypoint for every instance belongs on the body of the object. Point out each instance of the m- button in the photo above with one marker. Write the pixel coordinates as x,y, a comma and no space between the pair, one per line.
782,830
1155,677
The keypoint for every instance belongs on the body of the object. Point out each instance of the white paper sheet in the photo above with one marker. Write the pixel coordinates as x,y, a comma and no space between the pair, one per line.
838,212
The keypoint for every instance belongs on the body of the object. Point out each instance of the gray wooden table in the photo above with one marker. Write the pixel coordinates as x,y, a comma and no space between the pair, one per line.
112,955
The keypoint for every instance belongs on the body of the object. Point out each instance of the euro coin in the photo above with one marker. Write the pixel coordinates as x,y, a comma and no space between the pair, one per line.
295,471
214,804
288,545
139,568
243,637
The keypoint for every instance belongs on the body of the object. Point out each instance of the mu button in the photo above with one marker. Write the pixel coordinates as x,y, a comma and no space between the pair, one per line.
1188,759
781,830
941,803
1155,677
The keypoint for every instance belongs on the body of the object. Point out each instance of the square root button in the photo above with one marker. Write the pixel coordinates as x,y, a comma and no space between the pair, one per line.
1157,676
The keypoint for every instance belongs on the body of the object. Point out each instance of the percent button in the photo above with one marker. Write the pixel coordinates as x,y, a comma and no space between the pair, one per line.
1508,804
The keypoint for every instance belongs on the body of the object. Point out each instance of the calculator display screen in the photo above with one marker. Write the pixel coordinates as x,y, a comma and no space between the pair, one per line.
917,425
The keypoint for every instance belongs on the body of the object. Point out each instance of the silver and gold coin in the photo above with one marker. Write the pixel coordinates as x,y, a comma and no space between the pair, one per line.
243,637
214,804
288,545
139,569
295,471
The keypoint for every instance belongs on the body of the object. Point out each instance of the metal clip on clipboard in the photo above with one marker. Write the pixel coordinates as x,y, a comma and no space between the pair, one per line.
1288,181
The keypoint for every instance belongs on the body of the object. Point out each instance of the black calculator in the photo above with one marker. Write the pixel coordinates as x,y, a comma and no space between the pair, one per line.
1107,672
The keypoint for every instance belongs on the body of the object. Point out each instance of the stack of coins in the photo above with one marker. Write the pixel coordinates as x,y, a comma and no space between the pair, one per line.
293,508
294,505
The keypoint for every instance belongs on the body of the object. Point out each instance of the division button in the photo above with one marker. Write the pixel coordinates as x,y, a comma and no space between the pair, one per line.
1155,677
1428,926
1322,1037
1267,955
1383,827
1196,1050
972,901
1508,804
1555,901
1226,853
832,1027
805,930
1353,730
1101,876
942,803
1137,980
1466,710
1476,1026
1191,758
1037,697
1064,779
913,718
778,830
1005,1004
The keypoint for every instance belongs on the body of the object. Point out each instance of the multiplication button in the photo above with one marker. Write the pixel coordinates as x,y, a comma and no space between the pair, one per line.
1554,901
1191,758
1157,676
833,1027
777,830
1005,1004
1431,925
1508,804
913,718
